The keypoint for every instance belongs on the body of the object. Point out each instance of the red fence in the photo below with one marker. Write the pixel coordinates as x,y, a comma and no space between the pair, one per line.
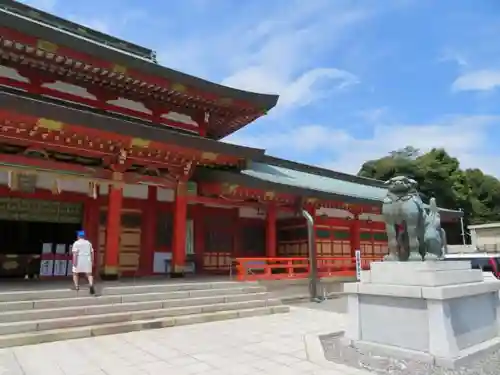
295,268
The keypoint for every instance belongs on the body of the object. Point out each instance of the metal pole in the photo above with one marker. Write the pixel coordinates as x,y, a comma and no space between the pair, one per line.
313,263
462,227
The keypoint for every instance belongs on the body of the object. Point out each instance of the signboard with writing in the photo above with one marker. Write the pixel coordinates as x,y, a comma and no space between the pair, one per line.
69,264
69,268
46,267
358,264
60,267
26,182
19,209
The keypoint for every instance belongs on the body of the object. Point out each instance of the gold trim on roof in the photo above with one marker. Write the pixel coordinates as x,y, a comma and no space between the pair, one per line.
47,46
121,69
49,124
211,156
139,142
178,87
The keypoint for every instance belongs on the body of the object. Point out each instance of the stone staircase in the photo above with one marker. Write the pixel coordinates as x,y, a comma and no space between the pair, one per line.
37,316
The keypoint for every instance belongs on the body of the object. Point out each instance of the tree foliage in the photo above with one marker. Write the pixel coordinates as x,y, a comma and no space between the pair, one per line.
439,175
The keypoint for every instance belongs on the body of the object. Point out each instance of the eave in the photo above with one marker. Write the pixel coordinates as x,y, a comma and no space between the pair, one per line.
86,118
314,188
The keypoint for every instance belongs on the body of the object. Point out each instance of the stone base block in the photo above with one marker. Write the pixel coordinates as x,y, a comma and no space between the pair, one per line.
442,312
423,273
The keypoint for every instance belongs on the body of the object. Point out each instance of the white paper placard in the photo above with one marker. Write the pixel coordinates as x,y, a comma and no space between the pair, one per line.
61,248
159,262
60,267
46,267
47,248
69,267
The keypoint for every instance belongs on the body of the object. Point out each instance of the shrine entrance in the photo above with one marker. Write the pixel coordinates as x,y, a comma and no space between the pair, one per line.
35,236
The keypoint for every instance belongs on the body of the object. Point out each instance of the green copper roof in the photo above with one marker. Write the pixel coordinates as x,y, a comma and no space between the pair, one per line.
312,181
336,186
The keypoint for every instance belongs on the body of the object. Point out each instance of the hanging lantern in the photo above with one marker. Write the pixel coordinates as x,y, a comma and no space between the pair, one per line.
9,179
13,181
56,187
93,189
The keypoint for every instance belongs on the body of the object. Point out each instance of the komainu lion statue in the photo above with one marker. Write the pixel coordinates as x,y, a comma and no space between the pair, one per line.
413,233
434,236
404,215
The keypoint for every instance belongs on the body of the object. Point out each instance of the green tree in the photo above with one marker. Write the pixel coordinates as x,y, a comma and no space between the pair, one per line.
439,175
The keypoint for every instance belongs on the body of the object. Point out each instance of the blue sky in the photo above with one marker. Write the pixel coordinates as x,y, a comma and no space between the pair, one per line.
357,79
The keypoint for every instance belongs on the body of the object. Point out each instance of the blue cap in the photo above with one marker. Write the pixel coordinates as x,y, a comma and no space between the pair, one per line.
80,233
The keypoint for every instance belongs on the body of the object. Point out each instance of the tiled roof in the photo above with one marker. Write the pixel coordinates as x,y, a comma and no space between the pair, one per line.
311,181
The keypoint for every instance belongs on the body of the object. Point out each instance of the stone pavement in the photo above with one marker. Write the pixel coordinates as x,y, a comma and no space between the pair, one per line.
272,344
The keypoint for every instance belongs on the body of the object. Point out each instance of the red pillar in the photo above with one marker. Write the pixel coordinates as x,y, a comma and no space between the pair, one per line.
113,229
91,226
179,235
199,237
271,231
148,231
355,235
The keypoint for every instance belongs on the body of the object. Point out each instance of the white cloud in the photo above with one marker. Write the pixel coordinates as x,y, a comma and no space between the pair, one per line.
276,50
294,91
464,137
453,56
479,80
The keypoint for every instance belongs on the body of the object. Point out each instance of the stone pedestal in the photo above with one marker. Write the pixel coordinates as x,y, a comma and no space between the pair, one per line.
439,312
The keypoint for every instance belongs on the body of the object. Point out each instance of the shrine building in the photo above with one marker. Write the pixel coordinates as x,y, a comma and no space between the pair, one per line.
95,134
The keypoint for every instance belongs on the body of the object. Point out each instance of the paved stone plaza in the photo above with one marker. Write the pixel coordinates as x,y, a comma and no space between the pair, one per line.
259,345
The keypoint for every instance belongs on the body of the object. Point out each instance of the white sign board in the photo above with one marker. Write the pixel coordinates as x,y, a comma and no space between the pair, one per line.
358,264
60,248
47,248
46,267
60,267
161,262
69,267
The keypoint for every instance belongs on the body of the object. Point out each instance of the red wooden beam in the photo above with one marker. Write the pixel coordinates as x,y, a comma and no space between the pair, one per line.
237,191
78,139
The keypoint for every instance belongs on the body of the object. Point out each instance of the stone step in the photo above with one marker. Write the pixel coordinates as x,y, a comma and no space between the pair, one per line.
36,295
93,308
31,338
83,299
91,320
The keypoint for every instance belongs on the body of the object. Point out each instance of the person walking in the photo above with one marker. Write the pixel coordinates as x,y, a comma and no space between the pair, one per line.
83,255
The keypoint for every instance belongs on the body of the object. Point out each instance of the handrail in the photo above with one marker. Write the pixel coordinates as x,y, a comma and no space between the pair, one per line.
297,267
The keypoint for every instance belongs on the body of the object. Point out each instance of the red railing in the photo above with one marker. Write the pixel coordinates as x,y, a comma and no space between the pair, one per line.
295,268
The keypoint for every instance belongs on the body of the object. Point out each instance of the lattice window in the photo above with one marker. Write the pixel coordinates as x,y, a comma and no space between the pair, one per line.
252,241
165,230
219,235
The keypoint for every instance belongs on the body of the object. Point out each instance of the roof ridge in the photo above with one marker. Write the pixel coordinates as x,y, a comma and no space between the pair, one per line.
77,29
320,171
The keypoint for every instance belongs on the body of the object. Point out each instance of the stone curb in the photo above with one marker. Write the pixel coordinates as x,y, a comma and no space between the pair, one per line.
316,354
304,297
